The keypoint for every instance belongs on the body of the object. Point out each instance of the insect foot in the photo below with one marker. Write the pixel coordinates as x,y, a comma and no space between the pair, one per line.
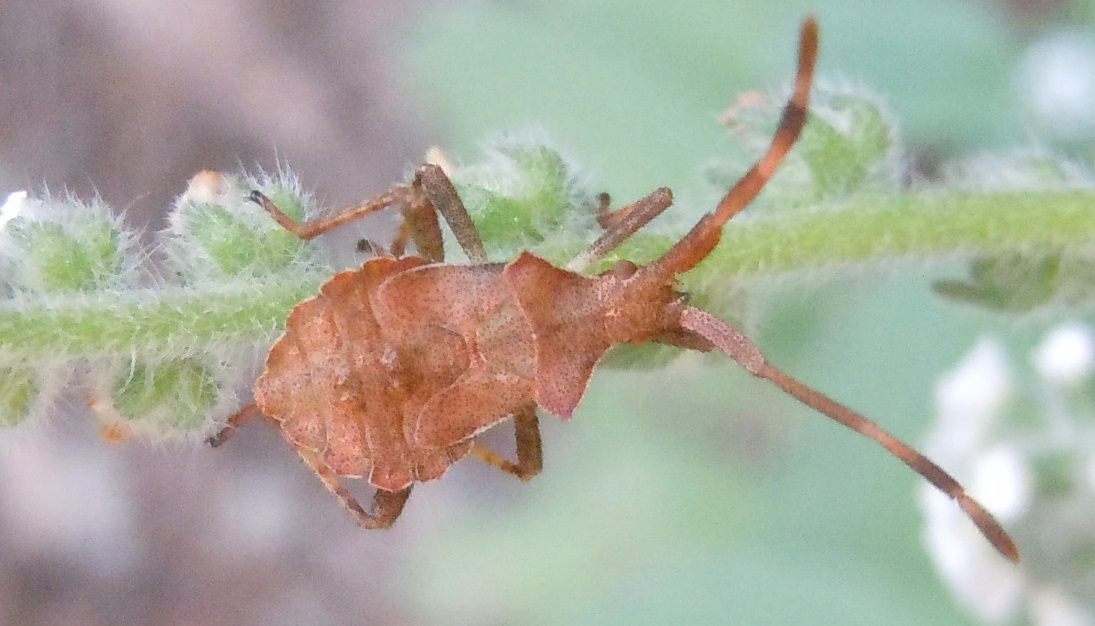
390,372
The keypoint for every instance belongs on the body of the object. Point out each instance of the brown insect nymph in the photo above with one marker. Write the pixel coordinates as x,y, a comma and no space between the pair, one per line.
394,368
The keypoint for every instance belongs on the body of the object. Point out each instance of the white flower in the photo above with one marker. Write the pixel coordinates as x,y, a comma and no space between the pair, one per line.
1056,78
1050,607
968,398
986,583
1002,482
1066,356
1024,451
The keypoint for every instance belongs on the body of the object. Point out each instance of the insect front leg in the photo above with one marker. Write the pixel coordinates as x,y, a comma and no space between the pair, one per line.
386,506
530,457
621,224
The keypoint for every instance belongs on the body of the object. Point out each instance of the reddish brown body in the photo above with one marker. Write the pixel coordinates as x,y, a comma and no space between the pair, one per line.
394,368
347,381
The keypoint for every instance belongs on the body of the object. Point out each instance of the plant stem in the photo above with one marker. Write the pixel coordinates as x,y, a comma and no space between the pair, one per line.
865,229
924,226
146,321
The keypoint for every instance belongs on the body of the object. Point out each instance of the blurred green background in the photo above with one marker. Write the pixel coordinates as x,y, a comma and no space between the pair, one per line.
695,494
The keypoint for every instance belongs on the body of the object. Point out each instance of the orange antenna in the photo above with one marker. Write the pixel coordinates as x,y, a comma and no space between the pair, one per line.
705,235
745,352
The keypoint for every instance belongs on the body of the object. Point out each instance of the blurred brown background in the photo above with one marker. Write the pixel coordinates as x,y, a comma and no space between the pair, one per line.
128,98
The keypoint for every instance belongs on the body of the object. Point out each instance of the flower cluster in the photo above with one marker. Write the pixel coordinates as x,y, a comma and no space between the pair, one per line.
1027,451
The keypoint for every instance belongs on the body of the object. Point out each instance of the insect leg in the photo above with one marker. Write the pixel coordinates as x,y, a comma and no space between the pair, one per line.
115,427
530,458
420,224
399,242
312,228
745,352
606,216
236,420
623,223
386,505
433,181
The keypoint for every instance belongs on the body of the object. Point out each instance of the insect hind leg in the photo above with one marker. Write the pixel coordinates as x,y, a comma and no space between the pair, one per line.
386,506
313,228
237,419
530,457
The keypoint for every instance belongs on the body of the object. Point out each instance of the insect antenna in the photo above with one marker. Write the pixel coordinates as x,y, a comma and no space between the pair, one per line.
705,235
745,352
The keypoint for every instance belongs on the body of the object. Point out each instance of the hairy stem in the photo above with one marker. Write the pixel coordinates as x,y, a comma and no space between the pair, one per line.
143,321
921,225
924,226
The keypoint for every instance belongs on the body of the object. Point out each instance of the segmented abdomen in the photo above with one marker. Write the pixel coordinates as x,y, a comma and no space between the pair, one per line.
348,380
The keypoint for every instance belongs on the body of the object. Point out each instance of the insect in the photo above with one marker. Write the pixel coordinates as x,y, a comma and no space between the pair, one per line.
394,368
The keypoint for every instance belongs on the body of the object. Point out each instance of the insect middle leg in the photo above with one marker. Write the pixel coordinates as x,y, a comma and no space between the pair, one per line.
530,457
